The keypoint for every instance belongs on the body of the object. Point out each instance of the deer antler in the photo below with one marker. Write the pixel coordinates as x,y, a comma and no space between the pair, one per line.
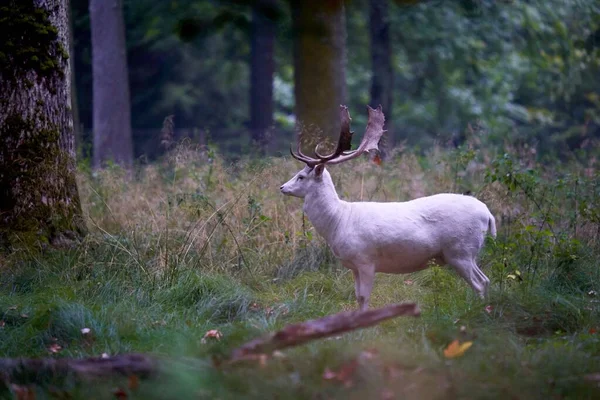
369,142
311,162
345,140
342,152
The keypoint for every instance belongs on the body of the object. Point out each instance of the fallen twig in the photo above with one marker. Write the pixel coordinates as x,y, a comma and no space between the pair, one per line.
293,335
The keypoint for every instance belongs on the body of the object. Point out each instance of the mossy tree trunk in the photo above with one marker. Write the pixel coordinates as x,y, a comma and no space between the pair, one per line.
319,68
112,111
39,201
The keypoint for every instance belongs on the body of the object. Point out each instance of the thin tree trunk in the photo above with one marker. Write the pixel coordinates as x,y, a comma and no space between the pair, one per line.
77,134
262,68
112,113
382,83
39,201
319,68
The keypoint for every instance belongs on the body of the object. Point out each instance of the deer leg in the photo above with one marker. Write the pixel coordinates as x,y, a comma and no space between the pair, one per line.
356,284
470,272
366,275
482,277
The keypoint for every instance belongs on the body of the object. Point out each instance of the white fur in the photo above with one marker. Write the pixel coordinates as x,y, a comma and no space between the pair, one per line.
398,237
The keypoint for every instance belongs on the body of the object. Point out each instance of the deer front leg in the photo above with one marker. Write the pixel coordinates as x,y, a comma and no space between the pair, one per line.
364,276
356,284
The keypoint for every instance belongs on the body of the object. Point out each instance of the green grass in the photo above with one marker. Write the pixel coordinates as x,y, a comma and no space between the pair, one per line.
162,266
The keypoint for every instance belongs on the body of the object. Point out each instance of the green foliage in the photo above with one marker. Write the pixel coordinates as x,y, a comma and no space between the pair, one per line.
510,67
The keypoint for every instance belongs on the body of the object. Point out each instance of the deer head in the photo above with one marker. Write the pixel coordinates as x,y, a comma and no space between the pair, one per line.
312,175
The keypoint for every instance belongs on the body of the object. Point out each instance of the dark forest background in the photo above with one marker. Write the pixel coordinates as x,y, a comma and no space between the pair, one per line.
514,71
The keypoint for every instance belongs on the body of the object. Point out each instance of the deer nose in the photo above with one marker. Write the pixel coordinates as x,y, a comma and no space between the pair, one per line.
281,188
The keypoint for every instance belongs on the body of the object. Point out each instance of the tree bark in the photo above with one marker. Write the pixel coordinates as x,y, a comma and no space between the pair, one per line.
112,113
319,31
39,201
262,68
382,83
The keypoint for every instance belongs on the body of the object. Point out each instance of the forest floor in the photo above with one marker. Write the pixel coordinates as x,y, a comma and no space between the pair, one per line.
179,250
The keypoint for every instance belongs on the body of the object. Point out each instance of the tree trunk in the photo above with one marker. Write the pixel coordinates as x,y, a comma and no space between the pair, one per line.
39,201
262,68
382,83
319,68
77,134
112,113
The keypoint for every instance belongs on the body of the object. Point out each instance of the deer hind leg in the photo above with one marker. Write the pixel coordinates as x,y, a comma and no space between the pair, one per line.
466,267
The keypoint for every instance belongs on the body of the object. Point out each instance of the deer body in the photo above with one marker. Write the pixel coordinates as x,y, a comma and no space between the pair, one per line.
397,237
393,237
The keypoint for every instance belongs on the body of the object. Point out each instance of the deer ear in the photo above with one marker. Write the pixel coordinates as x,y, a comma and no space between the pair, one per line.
319,169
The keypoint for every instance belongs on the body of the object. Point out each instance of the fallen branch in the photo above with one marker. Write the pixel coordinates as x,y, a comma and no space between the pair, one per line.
126,365
293,335
142,365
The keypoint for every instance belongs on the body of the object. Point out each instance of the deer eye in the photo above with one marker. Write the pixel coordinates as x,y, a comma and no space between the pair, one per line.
300,178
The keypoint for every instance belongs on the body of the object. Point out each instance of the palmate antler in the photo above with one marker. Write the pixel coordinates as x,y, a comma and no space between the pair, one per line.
342,152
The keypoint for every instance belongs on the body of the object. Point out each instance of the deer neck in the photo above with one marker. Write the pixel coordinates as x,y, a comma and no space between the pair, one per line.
324,209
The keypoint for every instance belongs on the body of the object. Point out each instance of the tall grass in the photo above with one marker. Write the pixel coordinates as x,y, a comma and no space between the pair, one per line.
195,243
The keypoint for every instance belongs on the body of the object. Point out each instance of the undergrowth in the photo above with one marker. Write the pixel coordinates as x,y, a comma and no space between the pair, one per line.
192,244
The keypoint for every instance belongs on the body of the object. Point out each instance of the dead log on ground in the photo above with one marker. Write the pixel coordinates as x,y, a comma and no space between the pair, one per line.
142,365
127,364
293,335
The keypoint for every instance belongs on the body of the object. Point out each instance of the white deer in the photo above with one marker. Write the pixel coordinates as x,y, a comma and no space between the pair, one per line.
392,237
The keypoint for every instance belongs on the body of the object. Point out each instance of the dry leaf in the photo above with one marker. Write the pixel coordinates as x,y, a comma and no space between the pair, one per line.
262,360
455,349
212,334
593,331
489,309
329,374
369,354
133,382
377,159
2,323
22,392
120,393
85,331
344,375
54,348
408,282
